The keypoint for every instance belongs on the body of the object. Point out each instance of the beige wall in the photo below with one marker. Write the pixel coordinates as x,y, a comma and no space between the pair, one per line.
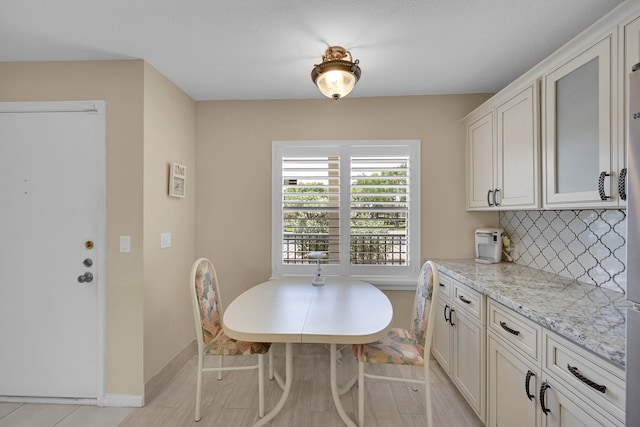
169,126
233,171
227,150
150,122
120,83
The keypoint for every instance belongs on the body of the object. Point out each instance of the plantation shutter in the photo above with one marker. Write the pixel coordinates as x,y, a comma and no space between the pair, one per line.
379,209
310,208
356,201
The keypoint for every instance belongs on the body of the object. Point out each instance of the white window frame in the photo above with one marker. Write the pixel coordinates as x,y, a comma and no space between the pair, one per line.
383,276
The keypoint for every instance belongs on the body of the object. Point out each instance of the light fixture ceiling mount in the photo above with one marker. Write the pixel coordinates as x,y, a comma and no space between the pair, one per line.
338,73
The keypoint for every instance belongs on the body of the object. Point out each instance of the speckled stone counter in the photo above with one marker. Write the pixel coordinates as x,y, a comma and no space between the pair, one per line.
587,315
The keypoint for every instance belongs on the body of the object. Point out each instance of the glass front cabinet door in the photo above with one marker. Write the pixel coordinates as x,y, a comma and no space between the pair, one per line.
580,145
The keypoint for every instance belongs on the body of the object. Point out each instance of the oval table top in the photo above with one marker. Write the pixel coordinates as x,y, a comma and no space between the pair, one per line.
291,309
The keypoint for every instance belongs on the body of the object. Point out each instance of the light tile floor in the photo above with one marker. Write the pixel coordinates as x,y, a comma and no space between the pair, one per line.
233,401
49,415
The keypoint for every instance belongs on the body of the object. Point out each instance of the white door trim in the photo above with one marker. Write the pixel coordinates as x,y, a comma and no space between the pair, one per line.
93,107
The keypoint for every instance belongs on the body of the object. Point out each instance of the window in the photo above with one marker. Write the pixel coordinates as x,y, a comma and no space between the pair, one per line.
357,201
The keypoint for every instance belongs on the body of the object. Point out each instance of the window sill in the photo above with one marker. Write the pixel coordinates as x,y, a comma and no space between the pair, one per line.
384,283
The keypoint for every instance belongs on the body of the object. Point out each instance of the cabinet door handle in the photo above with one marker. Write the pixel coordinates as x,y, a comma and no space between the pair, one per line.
527,381
543,389
445,313
451,317
622,184
508,329
464,300
587,381
495,197
489,197
603,195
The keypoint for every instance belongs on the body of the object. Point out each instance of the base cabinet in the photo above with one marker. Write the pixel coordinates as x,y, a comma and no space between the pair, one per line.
469,361
539,379
459,341
565,409
442,344
514,383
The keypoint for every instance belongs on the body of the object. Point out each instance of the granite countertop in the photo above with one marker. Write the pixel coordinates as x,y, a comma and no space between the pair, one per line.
587,315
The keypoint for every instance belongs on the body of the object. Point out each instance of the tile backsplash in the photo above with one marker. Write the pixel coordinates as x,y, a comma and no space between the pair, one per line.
586,245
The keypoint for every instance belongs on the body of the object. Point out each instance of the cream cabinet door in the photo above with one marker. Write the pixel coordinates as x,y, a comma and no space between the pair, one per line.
580,115
631,34
513,388
518,150
564,409
469,361
480,162
441,346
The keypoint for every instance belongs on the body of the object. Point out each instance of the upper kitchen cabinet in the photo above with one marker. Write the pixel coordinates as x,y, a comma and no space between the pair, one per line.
502,149
581,144
479,135
555,138
630,33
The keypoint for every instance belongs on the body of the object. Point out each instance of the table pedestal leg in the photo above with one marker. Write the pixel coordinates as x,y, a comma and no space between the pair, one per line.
335,392
288,370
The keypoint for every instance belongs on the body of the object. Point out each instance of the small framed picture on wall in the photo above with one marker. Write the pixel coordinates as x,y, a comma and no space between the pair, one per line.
177,179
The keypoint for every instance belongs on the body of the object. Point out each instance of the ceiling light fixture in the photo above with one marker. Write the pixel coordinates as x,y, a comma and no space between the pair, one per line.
337,74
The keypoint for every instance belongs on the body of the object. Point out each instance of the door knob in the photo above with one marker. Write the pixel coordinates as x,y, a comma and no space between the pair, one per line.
88,262
86,277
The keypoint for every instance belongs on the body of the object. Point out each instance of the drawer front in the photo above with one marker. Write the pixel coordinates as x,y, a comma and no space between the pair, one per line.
468,300
586,374
514,328
446,286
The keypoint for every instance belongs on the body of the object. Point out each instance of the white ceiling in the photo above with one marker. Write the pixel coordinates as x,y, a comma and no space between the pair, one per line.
265,49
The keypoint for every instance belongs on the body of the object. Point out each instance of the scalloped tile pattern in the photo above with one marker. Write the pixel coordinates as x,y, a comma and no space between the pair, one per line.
585,245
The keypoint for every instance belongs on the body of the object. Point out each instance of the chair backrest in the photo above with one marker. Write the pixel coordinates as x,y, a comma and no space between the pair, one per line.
205,298
423,322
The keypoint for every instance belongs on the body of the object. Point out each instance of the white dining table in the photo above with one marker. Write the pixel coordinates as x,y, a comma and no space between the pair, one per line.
292,310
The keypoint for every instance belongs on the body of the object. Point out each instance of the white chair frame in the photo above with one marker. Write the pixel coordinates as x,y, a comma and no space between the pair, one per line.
220,368
427,357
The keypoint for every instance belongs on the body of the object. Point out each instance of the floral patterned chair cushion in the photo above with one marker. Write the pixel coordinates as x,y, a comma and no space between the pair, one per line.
402,346
215,341
398,348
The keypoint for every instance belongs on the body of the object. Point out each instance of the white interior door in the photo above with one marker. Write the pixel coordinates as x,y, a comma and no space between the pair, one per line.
51,220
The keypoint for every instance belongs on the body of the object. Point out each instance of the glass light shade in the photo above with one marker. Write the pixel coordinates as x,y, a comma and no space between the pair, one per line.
337,74
336,83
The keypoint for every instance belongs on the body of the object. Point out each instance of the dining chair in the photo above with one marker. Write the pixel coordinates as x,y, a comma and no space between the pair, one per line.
409,347
212,341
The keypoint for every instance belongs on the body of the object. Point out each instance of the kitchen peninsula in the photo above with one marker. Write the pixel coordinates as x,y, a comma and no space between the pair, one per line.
505,325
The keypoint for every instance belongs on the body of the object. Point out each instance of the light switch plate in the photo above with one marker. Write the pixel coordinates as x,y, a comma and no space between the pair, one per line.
165,240
125,244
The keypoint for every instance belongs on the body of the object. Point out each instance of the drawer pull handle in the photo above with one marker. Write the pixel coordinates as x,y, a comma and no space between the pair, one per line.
508,329
445,313
464,300
543,389
587,381
441,285
527,380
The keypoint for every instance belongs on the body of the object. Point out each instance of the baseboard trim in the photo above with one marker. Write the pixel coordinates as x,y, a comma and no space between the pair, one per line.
158,381
123,400
56,400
